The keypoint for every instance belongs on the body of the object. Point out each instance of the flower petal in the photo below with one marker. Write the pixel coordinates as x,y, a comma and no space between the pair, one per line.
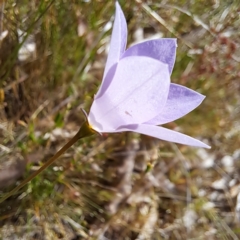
164,134
117,46
181,100
163,50
136,94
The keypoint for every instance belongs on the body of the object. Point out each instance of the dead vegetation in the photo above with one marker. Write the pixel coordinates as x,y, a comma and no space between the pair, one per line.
121,186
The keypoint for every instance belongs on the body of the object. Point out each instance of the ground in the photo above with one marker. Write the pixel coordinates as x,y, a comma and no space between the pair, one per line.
116,186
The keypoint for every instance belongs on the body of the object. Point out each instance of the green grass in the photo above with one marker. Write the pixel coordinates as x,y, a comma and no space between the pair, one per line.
97,187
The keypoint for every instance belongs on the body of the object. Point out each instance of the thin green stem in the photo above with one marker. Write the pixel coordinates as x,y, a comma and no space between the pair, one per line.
84,131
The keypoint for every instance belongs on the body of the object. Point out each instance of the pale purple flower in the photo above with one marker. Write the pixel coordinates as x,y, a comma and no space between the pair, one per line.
136,93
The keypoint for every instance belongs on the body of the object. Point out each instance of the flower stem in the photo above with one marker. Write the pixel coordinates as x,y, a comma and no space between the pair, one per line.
84,131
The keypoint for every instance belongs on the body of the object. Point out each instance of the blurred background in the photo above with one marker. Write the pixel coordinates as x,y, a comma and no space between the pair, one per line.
117,186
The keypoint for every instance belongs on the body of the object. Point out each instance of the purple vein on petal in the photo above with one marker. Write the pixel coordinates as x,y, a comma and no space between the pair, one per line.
164,134
138,82
181,100
163,50
117,47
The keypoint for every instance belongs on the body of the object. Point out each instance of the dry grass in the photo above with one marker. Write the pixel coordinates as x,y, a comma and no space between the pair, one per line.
119,186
